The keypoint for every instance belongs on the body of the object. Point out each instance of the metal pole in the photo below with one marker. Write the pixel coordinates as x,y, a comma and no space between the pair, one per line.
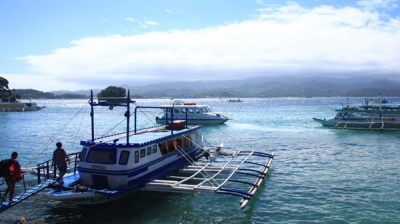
128,115
92,113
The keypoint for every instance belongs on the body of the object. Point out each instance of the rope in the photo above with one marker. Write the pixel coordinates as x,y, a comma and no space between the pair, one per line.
52,139
193,163
36,208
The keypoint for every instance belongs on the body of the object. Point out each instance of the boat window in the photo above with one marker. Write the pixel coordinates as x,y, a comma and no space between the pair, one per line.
184,110
163,147
83,154
197,111
190,110
123,159
136,156
148,150
102,155
142,153
176,111
204,110
154,148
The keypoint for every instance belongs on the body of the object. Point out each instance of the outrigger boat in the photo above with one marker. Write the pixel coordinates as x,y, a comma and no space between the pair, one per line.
192,113
171,158
362,122
368,108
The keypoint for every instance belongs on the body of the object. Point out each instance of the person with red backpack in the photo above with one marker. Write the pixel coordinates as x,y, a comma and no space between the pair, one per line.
14,176
60,159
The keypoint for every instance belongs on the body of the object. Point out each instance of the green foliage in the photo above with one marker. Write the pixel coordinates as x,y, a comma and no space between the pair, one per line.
5,93
3,84
112,91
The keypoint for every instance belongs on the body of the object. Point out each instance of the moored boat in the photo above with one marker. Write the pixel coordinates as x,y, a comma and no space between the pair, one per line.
235,100
19,106
113,166
192,112
368,108
361,122
125,162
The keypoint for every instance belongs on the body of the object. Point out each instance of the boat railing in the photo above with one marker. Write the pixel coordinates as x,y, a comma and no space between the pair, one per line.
44,169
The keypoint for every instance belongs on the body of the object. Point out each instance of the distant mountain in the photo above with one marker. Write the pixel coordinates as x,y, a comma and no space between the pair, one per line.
284,86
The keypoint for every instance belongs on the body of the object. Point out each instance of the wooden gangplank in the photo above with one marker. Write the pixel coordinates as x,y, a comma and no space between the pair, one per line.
25,195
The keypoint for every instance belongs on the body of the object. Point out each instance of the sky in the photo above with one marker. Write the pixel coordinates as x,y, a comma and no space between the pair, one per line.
52,45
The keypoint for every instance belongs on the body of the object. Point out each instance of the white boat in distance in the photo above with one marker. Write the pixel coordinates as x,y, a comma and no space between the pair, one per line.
192,112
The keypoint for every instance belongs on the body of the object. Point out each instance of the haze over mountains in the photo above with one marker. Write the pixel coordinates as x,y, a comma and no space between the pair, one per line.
287,86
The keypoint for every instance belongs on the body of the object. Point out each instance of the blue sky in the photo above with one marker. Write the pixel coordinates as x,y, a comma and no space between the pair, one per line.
71,45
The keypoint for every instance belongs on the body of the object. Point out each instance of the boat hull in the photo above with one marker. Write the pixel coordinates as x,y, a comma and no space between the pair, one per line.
85,198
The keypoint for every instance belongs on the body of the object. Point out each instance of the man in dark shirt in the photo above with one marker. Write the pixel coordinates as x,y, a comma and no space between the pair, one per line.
60,159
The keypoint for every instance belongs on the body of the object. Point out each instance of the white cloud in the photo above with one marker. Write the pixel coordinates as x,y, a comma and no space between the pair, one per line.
144,24
288,39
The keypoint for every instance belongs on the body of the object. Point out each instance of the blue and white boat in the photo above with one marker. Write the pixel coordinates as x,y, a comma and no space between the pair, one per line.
125,162
192,113
113,166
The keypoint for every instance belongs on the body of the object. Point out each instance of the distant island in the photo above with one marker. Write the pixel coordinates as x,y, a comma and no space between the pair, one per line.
36,94
261,87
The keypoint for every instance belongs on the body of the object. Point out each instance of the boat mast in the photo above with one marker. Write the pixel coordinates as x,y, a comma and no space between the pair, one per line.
128,115
92,113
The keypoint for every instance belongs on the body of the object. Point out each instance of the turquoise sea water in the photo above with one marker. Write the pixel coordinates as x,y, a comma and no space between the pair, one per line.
318,175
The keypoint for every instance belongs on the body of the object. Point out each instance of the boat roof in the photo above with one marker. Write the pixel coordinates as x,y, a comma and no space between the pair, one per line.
141,138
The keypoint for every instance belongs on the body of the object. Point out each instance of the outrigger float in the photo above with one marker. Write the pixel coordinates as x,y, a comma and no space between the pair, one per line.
169,158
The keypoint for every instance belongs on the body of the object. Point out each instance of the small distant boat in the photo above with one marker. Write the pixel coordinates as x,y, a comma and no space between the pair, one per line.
235,100
19,106
192,112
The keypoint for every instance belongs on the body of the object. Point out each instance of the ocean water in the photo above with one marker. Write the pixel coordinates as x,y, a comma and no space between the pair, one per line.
318,175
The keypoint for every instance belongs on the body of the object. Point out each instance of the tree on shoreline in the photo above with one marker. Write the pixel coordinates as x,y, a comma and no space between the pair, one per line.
112,91
6,94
